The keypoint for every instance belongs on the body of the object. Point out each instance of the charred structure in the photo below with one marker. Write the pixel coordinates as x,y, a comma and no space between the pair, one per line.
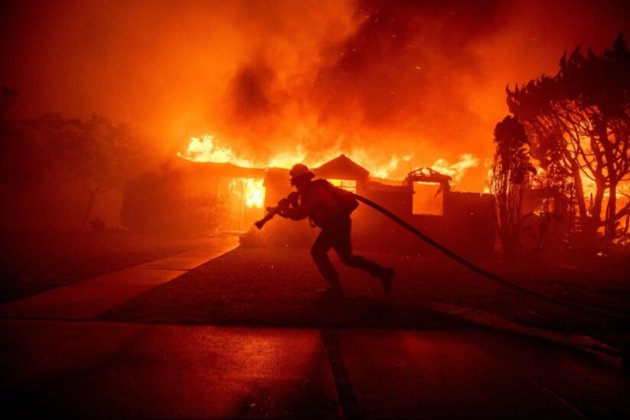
461,220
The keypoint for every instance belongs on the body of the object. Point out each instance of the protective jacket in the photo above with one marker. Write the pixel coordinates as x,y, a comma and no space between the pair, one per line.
320,203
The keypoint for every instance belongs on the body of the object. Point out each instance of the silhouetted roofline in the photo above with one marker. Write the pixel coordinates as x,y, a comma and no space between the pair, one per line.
342,166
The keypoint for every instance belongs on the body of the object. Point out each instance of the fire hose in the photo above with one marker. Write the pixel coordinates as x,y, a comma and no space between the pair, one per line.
491,276
272,211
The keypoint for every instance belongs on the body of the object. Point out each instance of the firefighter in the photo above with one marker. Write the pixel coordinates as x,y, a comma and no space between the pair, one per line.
329,208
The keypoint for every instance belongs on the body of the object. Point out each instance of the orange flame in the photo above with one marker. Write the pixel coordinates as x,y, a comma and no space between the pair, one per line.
254,193
207,149
456,170
251,190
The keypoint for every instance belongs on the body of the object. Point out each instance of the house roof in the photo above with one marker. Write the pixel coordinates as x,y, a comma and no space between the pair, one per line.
342,167
428,175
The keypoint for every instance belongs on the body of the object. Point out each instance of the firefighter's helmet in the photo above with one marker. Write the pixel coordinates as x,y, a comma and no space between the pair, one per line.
299,171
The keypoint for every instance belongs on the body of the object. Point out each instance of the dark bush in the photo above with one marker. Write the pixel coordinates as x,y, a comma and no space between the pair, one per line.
158,202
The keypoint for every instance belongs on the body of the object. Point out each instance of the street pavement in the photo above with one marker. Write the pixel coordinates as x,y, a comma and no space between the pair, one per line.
96,369
57,360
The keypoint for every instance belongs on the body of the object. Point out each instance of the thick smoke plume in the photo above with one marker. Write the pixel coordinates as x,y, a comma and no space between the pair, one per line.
406,82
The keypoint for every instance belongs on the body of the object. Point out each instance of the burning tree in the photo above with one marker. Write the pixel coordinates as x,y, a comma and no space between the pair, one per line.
579,124
509,179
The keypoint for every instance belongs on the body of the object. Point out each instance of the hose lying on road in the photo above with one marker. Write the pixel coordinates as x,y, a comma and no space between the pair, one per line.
484,272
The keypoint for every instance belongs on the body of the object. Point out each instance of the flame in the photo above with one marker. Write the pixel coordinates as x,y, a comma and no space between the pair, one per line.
456,170
254,193
379,171
250,189
287,159
207,149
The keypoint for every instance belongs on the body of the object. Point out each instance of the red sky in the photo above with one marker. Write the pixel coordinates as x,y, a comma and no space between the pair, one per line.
387,79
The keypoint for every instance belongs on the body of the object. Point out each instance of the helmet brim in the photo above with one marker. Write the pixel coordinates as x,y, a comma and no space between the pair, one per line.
308,175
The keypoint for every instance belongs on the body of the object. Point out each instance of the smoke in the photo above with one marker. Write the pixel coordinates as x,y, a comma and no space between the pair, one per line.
412,78
407,81
394,86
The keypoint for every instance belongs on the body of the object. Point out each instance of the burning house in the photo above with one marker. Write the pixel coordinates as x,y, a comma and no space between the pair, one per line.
461,220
